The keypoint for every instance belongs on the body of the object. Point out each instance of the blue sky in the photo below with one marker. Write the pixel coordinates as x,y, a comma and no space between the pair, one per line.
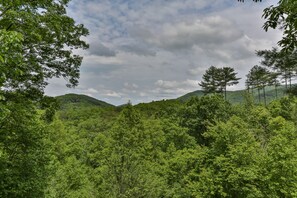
159,49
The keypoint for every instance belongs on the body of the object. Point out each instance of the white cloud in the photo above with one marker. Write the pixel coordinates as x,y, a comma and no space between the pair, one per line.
205,32
176,84
111,93
196,71
130,85
91,90
172,89
151,49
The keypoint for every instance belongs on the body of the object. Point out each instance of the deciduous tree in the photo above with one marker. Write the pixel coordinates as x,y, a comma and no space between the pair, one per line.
282,16
37,41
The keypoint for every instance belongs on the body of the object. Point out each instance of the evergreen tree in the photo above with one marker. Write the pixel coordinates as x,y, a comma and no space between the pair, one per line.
216,80
258,77
283,63
209,81
227,77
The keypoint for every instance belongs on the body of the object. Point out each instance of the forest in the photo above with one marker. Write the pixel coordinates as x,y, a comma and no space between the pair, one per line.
74,146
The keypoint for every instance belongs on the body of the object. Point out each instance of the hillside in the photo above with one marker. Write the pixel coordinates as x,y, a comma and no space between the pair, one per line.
238,95
81,101
234,97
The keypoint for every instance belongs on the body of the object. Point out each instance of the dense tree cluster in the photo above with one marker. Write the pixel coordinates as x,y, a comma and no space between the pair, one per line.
205,147
258,78
37,40
283,64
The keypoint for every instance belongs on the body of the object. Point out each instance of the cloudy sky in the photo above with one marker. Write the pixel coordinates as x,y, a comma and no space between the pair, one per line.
148,50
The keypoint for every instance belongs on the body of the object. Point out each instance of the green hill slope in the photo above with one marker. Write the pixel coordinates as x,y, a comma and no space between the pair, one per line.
80,101
238,96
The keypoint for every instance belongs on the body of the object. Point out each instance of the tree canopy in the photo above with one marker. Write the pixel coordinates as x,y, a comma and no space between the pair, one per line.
205,147
216,80
37,41
282,16
283,63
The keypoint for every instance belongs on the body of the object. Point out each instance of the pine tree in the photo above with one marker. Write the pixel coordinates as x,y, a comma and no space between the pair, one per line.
227,77
216,80
258,77
283,63
209,83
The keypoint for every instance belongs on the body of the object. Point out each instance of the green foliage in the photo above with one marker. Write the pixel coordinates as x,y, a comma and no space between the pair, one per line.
216,80
282,63
71,180
238,97
158,109
233,160
180,172
23,151
281,170
176,136
204,148
10,53
188,96
283,16
210,82
258,78
38,39
242,151
128,158
70,100
200,113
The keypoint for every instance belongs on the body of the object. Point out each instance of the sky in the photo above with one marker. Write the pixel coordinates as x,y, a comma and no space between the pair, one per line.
148,50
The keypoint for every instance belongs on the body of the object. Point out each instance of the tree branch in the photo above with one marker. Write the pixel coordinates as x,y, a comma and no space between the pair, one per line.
9,26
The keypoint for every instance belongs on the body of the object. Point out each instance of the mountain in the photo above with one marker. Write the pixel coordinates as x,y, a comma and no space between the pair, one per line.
238,96
81,101
234,97
188,96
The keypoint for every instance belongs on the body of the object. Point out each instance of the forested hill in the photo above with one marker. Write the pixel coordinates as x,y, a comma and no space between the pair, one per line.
238,96
80,100
233,97
205,147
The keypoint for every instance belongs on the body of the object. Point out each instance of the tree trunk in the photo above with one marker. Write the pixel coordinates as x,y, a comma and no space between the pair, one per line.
264,94
259,95
290,81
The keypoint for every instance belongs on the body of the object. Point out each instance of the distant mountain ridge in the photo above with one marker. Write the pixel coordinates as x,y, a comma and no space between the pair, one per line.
233,97
238,95
80,100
